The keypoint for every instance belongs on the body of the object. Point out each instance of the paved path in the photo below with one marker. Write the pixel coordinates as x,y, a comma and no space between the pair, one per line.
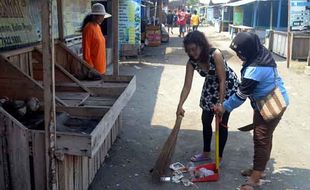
150,115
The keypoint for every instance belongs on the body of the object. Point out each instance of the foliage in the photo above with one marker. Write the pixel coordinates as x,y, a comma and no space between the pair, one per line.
192,2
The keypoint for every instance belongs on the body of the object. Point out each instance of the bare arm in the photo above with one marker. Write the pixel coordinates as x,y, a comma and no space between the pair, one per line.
186,88
220,70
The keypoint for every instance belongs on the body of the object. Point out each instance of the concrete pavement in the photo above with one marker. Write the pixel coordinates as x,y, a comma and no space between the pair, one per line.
150,115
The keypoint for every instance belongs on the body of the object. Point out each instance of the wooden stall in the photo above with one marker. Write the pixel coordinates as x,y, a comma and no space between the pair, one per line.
300,44
81,150
94,122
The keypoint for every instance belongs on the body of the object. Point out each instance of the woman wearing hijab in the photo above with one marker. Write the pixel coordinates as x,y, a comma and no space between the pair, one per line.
259,77
93,41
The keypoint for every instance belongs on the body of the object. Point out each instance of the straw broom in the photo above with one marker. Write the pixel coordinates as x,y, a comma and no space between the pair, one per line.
166,153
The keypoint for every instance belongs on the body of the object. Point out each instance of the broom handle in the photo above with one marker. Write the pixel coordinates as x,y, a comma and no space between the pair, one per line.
178,121
217,140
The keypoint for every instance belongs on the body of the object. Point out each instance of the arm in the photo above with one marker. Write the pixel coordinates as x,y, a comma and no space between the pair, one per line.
186,88
220,70
86,44
246,88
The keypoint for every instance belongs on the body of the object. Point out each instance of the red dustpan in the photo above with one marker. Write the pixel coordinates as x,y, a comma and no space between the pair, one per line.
212,166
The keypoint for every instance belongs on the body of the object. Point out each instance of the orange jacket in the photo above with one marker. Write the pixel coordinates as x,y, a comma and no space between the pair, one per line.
94,48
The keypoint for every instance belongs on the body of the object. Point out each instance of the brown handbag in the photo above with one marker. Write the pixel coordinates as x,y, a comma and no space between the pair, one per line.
271,106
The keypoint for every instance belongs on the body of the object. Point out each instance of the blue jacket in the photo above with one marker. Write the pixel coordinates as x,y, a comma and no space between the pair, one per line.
256,82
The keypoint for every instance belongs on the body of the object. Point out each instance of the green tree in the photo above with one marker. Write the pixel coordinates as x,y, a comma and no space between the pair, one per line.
192,2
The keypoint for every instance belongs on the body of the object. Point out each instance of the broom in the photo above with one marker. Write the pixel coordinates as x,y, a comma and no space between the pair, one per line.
166,153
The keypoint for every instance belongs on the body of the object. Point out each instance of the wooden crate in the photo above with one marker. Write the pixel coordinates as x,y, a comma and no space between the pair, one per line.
22,160
80,155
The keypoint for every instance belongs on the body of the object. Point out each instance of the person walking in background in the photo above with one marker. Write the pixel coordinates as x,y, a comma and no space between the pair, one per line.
175,18
170,18
188,16
93,41
195,20
182,23
220,83
259,76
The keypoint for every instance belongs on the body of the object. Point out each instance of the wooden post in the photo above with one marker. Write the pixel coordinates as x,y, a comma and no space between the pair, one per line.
60,20
49,93
160,12
115,6
308,58
288,54
271,15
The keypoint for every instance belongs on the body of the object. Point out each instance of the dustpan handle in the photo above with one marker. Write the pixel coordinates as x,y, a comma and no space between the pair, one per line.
217,140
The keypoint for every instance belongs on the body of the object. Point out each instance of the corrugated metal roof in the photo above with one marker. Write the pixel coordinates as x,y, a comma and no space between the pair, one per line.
242,2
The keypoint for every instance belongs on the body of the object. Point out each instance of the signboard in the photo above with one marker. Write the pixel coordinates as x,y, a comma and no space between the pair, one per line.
238,16
20,22
130,21
74,12
300,15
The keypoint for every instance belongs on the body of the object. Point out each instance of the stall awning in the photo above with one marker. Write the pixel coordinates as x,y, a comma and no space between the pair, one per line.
241,2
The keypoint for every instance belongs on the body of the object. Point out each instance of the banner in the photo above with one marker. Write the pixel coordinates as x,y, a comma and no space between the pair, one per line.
300,15
74,12
130,21
20,22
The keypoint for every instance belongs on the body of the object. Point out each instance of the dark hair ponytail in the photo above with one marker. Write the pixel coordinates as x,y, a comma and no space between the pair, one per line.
86,20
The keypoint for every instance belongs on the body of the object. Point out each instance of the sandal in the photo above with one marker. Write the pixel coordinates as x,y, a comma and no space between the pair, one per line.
248,186
248,172
200,157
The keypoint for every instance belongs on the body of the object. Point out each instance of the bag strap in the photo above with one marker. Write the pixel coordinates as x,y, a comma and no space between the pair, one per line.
275,73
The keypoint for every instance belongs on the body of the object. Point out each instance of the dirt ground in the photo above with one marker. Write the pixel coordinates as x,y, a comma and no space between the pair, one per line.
150,115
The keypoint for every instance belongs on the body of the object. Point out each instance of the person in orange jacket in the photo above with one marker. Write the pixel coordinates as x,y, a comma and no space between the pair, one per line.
93,41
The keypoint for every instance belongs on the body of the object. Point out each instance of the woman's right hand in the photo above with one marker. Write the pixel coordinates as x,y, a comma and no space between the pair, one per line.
180,111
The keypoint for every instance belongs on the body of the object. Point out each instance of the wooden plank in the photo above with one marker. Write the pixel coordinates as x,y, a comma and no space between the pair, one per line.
85,172
77,172
91,174
115,55
70,171
98,103
66,73
30,64
62,174
119,78
38,160
89,112
74,144
18,149
72,96
17,51
62,75
49,94
105,125
4,166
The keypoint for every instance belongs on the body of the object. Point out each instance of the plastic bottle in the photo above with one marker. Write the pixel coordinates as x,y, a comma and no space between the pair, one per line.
191,168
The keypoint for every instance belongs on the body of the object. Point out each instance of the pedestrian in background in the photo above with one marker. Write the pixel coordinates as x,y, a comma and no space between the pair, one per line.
170,18
220,83
181,22
259,77
93,41
195,20
188,16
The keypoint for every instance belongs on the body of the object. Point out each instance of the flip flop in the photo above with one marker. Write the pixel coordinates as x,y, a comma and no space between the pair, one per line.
199,158
248,172
249,186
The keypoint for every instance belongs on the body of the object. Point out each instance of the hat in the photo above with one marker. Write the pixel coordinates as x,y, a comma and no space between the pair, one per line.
98,9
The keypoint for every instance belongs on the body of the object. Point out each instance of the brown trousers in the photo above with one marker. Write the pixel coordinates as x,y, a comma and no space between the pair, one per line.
263,132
